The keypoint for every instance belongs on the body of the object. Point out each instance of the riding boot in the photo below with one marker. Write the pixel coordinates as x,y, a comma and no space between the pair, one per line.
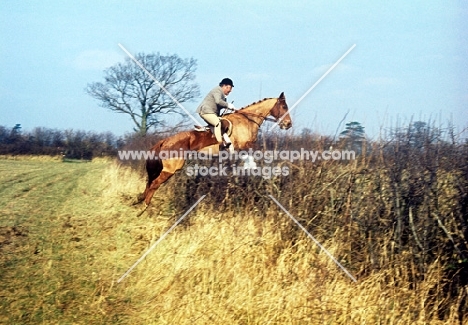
227,143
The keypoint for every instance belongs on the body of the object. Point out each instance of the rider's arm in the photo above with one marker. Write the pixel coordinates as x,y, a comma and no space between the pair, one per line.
219,98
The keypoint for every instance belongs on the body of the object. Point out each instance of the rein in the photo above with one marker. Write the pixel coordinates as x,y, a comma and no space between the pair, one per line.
266,118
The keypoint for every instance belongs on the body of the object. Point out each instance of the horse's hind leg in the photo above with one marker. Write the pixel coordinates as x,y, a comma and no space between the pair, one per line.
163,177
153,169
170,166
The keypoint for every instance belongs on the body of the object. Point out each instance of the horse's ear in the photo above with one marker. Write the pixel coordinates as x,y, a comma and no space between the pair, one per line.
281,96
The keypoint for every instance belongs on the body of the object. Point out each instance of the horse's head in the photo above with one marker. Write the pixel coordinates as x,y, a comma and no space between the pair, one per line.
281,114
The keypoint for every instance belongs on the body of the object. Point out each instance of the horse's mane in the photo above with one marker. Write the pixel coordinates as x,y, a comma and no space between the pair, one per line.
248,106
255,103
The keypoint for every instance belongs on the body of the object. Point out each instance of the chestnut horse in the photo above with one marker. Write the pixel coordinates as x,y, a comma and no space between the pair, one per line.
245,125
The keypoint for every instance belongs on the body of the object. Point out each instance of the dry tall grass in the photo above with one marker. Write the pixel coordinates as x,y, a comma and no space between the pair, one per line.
247,268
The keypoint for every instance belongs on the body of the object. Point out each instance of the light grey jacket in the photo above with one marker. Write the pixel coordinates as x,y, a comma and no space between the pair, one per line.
213,102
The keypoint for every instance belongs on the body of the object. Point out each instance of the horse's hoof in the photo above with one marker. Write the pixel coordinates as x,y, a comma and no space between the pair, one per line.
142,211
140,198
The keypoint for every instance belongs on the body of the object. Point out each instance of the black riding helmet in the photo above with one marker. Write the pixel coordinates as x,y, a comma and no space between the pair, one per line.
226,81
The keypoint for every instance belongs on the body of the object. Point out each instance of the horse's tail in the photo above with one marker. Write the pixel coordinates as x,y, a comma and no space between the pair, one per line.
154,166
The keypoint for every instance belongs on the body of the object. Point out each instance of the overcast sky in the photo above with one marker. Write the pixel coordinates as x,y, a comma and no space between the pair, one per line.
410,61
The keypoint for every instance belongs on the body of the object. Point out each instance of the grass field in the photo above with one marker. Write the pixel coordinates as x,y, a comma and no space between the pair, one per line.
68,232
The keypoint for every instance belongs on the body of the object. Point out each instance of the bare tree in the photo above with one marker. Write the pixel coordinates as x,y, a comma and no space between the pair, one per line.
130,90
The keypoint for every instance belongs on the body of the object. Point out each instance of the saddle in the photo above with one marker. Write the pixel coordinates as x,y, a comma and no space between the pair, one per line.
226,127
226,131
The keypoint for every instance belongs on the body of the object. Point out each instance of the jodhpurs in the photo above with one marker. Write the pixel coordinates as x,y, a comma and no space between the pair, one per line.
215,121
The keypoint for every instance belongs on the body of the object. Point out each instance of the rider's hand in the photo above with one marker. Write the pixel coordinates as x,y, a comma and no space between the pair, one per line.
230,106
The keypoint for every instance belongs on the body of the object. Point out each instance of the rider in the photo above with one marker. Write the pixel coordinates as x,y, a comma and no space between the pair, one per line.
211,106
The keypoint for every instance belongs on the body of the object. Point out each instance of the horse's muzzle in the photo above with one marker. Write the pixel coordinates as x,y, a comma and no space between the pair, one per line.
285,125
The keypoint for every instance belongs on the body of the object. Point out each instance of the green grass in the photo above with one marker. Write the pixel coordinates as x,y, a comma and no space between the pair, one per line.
50,223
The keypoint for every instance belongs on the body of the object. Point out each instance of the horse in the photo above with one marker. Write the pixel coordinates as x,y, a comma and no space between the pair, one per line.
244,125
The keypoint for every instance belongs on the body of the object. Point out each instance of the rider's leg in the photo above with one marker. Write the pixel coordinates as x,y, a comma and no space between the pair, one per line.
214,120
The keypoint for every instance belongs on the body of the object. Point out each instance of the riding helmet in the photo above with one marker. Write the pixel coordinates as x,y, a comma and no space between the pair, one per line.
226,81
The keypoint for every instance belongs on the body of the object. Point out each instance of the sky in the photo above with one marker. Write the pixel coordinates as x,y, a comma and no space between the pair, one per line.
409,63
